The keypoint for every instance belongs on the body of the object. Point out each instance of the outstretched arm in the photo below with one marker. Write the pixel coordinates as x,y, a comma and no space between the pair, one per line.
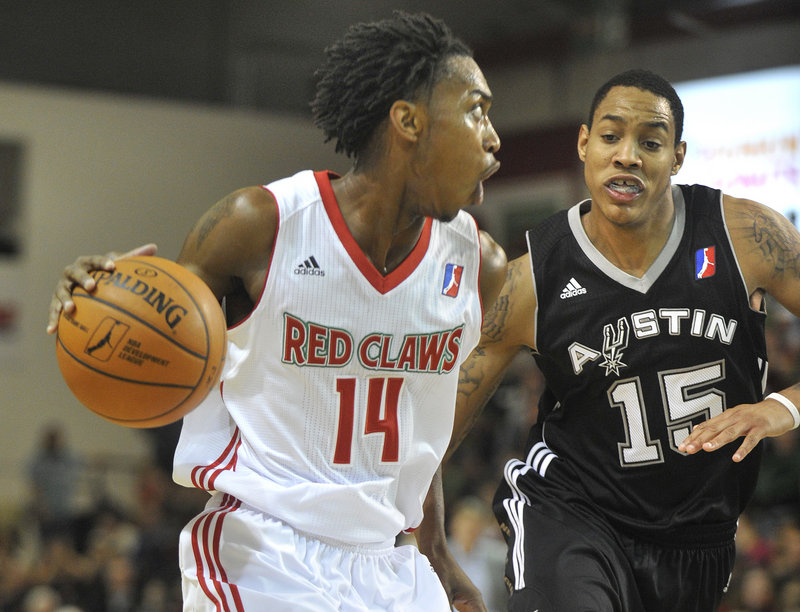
431,537
508,327
767,246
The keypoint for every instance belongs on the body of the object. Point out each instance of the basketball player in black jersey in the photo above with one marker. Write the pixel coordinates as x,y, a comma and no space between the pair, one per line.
645,312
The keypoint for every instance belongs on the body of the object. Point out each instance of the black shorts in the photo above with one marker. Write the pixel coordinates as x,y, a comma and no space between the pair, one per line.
562,557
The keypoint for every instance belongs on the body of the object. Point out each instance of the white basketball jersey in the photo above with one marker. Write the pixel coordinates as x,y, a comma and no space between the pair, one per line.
337,399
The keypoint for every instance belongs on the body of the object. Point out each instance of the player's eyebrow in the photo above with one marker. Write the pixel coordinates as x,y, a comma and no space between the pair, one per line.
658,125
655,124
483,94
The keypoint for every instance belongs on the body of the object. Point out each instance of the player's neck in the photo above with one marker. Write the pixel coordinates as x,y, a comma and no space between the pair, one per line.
376,221
632,247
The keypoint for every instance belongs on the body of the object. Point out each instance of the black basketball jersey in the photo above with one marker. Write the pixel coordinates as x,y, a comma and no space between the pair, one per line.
633,363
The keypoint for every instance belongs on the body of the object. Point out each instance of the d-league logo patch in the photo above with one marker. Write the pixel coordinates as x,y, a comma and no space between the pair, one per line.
705,263
105,338
452,279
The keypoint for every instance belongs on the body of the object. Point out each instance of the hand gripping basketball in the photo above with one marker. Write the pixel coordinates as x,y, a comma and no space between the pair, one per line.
146,346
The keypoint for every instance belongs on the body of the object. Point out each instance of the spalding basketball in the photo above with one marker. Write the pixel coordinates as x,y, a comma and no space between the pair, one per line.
146,346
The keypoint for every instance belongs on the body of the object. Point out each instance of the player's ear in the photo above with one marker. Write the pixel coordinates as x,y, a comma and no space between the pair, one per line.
680,154
583,139
406,120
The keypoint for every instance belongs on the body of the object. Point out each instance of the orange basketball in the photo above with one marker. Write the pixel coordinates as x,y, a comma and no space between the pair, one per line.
146,346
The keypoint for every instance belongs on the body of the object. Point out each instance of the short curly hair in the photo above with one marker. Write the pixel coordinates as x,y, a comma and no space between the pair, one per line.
373,65
646,81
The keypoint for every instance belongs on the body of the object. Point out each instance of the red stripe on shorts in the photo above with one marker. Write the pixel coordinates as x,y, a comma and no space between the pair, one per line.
206,549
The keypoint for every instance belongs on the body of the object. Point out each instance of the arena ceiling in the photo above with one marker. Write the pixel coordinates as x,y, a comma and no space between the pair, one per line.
261,54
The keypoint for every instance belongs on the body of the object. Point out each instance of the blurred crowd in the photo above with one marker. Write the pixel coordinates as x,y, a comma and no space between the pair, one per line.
112,557
105,554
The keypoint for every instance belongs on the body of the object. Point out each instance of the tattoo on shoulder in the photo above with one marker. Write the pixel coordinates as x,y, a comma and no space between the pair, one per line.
219,211
775,243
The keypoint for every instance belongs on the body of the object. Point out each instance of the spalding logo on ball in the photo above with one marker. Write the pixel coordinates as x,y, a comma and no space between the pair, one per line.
146,346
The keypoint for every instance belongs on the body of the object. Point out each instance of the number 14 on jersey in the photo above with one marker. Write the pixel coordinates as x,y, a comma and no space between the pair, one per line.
383,395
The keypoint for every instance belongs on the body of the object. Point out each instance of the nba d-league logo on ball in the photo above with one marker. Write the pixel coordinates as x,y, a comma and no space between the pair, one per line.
146,346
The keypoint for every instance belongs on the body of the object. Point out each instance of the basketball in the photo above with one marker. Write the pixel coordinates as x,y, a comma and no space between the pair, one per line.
146,346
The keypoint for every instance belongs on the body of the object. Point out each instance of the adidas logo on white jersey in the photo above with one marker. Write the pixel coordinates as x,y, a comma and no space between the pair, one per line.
572,289
309,267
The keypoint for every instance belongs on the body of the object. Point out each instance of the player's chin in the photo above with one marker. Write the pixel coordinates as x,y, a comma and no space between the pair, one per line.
473,199
477,195
447,215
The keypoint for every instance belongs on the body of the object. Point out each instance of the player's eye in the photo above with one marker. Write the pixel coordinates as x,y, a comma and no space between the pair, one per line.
478,112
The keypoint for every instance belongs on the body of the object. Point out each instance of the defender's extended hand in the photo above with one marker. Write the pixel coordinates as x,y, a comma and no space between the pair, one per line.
768,418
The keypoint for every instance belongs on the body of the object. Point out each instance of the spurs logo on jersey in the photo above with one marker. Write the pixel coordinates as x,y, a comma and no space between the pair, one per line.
650,324
613,344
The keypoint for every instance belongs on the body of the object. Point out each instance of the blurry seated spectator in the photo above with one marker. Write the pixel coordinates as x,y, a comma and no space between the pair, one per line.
789,599
474,541
778,487
54,472
753,549
61,567
13,573
786,565
758,591
41,598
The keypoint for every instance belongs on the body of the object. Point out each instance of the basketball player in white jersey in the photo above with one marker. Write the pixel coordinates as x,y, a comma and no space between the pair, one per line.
352,302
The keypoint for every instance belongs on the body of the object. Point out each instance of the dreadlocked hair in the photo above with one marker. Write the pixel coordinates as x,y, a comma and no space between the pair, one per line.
374,65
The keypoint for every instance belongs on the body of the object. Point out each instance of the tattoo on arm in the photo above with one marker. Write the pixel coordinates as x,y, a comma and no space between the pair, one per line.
473,386
481,375
777,246
495,320
220,210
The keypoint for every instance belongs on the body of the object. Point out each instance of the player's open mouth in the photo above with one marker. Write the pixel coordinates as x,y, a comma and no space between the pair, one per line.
490,170
625,186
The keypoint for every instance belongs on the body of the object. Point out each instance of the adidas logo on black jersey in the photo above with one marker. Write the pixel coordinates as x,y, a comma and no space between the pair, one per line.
572,289
309,267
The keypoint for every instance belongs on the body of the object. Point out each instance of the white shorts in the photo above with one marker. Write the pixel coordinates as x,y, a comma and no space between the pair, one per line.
236,558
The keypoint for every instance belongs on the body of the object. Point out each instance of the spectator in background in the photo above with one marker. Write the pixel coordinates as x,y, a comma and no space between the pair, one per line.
789,600
783,344
63,568
13,572
786,564
41,598
118,584
54,472
475,545
753,549
758,591
778,488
